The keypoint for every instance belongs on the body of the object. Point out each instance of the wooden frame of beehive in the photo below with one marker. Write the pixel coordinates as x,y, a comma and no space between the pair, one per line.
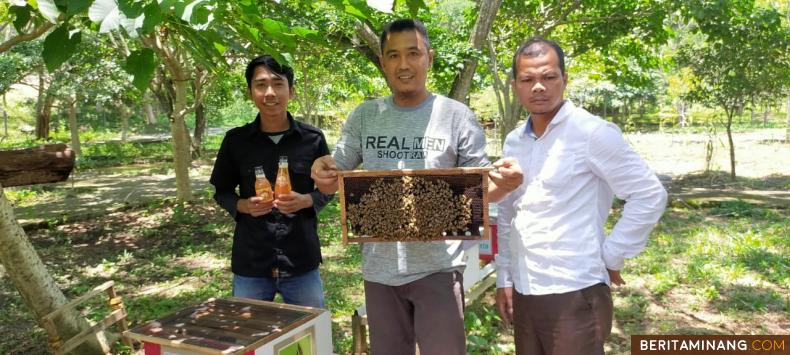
472,182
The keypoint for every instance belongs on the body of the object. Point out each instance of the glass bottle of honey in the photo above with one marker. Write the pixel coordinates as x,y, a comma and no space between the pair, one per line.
263,188
283,183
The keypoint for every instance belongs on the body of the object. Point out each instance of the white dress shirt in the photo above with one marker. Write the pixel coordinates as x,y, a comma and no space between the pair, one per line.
551,229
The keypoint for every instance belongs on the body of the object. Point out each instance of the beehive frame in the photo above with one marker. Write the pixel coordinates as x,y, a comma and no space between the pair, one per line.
472,182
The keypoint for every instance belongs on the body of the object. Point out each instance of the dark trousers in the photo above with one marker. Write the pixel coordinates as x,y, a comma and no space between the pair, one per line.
428,311
573,323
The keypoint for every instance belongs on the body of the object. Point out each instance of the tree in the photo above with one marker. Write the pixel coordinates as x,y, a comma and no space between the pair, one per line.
485,19
746,57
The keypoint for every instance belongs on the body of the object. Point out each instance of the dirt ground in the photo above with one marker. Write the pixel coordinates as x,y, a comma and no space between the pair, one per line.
757,154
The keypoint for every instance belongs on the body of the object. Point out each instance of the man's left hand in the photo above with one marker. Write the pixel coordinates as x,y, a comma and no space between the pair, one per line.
292,202
615,278
508,175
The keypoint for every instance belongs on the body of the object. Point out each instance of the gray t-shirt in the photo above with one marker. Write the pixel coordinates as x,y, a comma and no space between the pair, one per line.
439,133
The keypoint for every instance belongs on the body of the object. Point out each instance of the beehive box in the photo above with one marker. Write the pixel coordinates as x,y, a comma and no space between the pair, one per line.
469,182
238,326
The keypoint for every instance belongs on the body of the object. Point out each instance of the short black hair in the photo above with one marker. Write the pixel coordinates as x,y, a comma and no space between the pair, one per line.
403,25
525,50
270,63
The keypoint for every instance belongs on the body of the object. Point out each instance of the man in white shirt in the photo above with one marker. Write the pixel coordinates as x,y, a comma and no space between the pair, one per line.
552,245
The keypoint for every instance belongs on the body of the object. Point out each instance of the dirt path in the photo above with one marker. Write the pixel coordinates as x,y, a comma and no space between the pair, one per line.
105,191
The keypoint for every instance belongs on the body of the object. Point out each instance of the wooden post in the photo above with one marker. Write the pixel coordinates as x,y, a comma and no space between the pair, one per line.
359,335
116,303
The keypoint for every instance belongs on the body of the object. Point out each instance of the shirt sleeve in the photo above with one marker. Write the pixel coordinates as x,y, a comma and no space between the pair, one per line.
631,180
225,178
505,213
472,143
348,150
320,199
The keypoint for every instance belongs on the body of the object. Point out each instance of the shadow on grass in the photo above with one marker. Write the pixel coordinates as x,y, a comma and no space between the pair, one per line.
750,299
769,265
631,311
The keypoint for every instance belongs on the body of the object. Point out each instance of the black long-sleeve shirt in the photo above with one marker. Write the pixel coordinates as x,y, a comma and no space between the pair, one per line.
274,240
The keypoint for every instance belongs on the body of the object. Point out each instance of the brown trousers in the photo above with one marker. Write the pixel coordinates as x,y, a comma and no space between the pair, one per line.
573,323
429,311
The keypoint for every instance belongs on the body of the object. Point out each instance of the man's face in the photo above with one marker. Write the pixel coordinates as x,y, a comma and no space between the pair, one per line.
270,92
405,62
539,82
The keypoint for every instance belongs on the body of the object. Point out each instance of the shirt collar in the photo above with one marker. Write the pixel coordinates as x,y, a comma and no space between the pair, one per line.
255,126
565,111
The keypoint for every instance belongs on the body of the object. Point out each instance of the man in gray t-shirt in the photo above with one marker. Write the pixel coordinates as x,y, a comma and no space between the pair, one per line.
413,290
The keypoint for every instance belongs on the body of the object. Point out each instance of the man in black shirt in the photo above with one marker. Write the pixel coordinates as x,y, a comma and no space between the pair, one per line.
275,243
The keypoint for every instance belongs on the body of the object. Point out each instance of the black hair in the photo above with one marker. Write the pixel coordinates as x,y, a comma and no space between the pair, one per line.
269,62
403,25
527,51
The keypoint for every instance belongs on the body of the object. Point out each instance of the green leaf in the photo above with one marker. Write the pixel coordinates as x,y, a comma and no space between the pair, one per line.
221,48
200,15
107,13
21,17
153,16
49,10
167,5
77,6
309,34
415,6
59,46
141,64
354,11
279,31
130,8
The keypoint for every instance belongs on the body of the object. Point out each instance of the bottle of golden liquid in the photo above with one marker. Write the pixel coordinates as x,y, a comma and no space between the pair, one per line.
283,183
263,188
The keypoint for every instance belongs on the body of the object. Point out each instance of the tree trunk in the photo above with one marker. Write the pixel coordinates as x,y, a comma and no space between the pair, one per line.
485,18
43,106
766,111
74,128
174,63
787,132
507,102
732,144
43,118
200,131
181,154
34,283
681,112
124,121
5,117
148,112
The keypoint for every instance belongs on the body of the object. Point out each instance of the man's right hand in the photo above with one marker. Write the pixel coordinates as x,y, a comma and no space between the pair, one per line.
324,173
254,206
504,303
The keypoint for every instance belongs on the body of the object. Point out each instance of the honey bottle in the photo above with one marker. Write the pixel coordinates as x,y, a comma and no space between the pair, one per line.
283,183
263,188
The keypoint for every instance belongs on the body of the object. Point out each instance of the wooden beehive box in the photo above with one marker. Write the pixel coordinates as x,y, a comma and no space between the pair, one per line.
238,326
471,182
